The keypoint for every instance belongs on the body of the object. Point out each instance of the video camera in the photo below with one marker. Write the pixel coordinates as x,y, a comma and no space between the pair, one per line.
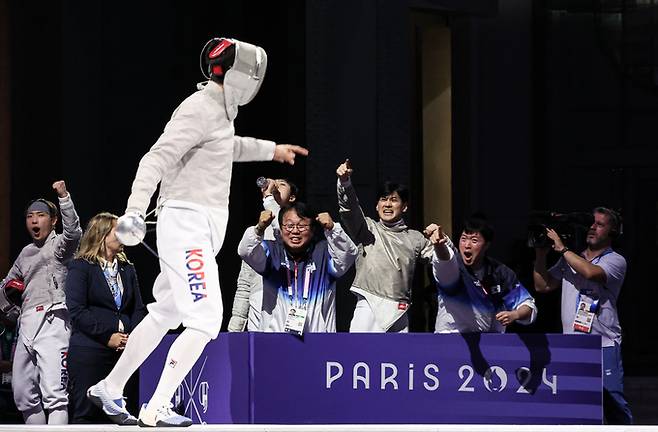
571,227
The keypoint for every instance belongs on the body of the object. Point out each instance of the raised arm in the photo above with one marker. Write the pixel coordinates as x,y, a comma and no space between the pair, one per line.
445,267
270,203
68,242
251,248
246,149
544,281
583,267
351,213
342,250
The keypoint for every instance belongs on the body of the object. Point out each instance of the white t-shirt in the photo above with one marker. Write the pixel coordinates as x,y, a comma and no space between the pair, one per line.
606,320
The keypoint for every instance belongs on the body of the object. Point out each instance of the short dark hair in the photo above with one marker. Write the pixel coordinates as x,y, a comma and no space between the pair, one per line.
52,208
478,224
303,210
614,217
388,188
294,190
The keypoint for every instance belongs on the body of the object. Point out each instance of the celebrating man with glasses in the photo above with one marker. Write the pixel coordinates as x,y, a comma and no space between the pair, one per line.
299,270
249,293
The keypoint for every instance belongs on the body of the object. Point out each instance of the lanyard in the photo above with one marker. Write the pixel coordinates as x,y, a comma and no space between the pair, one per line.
595,302
292,281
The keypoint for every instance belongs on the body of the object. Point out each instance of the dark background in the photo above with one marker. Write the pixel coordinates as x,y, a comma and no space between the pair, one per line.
555,107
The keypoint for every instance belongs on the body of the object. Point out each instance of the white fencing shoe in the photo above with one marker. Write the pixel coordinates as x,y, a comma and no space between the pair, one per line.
162,416
115,409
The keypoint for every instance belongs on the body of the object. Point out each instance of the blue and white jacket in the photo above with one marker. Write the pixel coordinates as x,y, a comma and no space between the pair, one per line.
467,304
309,282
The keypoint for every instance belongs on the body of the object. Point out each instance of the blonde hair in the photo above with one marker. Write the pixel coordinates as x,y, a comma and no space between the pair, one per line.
92,245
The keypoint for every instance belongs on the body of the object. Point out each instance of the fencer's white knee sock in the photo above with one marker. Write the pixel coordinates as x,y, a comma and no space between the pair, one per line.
141,342
58,415
36,416
184,352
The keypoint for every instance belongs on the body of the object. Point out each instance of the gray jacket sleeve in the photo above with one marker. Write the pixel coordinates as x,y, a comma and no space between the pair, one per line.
240,312
66,244
426,250
342,250
351,213
251,250
14,272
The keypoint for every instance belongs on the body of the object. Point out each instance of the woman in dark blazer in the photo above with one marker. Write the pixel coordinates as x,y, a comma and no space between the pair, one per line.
104,302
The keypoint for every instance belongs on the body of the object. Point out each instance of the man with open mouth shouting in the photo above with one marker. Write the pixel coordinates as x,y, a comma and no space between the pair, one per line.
39,375
476,294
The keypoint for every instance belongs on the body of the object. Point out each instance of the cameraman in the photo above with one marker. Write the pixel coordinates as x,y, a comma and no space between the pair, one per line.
476,294
591,282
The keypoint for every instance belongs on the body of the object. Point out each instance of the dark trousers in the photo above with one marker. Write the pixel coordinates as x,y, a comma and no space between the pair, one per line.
615,407
86,367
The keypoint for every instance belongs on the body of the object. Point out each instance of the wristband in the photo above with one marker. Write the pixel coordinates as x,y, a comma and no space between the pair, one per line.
563,250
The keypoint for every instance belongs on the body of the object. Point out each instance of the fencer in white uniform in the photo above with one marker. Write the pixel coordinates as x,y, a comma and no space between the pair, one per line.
192,161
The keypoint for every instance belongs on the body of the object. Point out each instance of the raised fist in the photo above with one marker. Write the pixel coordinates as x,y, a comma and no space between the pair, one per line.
60,187
264,220
325,220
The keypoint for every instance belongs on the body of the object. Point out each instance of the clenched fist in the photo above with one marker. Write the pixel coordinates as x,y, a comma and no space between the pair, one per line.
264,220
325,220
60,187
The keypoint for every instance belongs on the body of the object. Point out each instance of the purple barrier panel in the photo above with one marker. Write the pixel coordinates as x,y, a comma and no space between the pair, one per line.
426,378
217,388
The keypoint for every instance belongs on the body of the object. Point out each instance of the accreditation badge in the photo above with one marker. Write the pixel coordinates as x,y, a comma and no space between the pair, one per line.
295,320
585,314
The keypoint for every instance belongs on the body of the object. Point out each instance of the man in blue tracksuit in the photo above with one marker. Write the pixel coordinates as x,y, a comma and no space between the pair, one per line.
476,294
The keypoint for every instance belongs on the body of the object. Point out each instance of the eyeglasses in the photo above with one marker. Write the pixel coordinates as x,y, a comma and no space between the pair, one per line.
300,227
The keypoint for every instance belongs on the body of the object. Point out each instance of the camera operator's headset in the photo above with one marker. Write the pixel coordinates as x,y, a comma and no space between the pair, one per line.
616,232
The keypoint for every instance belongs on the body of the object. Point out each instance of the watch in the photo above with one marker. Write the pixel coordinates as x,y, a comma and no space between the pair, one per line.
563,250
